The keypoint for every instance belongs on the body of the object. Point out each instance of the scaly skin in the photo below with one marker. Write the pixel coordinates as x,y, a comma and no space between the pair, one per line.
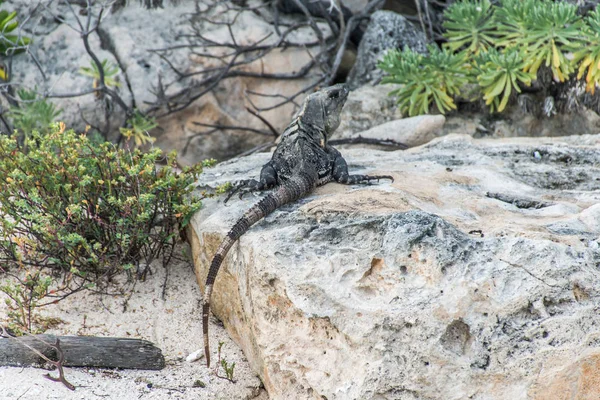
302,161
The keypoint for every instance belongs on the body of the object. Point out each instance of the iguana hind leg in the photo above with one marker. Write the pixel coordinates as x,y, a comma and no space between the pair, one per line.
268,180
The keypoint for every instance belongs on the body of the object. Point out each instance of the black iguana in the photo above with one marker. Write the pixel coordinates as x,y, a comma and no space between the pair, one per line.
302,161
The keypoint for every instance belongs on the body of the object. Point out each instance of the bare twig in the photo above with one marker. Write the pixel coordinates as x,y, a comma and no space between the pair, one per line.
257,115
58,364
362,140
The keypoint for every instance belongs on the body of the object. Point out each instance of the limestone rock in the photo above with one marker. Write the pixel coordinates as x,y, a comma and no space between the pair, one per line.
386,30
366,107
412,131
421,287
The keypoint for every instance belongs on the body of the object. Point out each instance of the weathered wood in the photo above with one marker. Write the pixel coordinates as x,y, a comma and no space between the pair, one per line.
83,351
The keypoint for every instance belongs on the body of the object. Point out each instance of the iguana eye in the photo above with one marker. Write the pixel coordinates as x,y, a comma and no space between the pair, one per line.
334,95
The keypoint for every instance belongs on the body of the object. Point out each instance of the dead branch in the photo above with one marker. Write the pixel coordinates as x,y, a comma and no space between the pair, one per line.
231,56
362,140
57,364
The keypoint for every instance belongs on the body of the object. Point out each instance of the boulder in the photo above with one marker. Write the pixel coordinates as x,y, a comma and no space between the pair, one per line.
366,107
386,30
451,282
412,131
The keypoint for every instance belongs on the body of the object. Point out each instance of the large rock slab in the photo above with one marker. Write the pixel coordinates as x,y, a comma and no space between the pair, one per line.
474,275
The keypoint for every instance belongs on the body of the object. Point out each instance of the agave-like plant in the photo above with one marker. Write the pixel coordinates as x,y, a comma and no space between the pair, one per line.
469,25
499,74
138,127
553,31
9,42
110,72
512,19
425,79
588,56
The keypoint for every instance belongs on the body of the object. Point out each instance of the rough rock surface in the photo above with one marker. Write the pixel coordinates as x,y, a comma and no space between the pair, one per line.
474,275
386,30
366,107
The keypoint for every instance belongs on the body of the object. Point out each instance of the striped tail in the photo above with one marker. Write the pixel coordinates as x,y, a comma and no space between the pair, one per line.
295,188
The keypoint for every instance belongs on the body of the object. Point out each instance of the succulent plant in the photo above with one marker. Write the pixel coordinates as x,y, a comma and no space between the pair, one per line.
470,25
424,79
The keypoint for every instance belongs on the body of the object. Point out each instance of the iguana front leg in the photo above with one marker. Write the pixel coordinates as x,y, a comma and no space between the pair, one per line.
340,172
267,180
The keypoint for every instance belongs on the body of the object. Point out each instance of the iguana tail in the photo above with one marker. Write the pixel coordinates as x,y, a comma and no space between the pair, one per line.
291,190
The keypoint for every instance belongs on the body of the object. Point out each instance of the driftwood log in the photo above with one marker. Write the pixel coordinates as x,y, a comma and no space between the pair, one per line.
82,351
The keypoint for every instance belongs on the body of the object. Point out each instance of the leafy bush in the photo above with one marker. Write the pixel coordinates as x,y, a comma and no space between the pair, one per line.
588,56
424,79
23,298
500,74
89,210
110,72
33,113
10,43
505,45
138,127
469,24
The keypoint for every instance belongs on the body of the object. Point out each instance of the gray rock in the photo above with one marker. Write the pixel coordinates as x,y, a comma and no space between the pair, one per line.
386,30
424,286
366,107
412,131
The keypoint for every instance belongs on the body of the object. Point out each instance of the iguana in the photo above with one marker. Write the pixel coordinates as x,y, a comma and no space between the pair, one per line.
302,161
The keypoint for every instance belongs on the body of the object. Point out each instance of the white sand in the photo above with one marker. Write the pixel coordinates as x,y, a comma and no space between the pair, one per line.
174,325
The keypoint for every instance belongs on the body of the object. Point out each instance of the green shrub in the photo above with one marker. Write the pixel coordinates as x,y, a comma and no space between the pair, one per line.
588,56
33,113
10,43
505,45
469,25
424,79
89,210
499,74
23,299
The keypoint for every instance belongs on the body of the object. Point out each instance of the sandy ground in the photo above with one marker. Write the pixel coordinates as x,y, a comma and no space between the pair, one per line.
174,325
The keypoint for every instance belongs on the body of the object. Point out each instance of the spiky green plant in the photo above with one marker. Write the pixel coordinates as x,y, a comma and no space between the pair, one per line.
424,79
499,74
552,31
110,71
513,20
588,57
470,25
138,127
506,44
10,43
32,113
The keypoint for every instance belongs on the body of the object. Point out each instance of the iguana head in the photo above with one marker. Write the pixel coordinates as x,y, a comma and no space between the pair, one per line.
323,109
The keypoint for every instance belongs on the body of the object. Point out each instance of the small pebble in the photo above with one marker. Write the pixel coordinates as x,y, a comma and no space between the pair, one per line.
195,356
